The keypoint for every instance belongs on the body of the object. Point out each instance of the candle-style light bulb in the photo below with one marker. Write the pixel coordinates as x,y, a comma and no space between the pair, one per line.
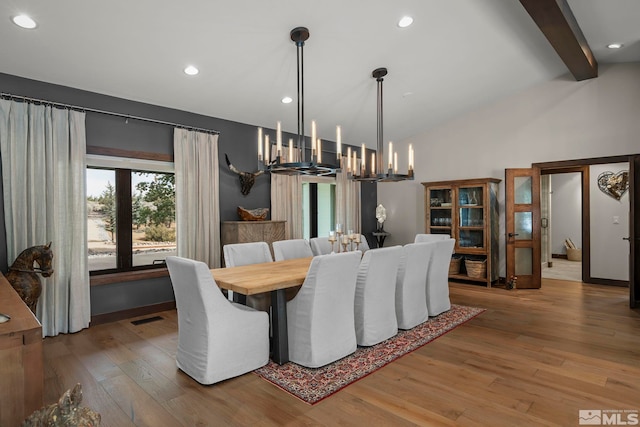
410,157
338,142
390,154
362,156
313,132
348,159
319,147
278,139
290,159
373,163
267,150
259,144
395,162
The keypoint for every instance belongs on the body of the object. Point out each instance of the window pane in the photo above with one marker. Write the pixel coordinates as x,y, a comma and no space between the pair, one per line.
101,219
153,209
326,208
522,189
523,225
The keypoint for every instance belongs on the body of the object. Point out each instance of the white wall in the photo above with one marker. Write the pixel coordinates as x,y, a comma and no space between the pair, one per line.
558,120
566,210
609,253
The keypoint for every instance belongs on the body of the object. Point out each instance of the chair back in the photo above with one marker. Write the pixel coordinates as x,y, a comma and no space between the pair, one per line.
237,254
321,245
291,249
375,315
411,293
423,238
320,318
364,244
438,278
199,301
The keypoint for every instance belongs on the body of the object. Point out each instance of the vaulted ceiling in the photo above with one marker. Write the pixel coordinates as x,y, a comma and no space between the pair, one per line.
457,56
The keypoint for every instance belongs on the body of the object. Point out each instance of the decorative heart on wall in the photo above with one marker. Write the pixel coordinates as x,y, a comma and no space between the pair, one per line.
614,184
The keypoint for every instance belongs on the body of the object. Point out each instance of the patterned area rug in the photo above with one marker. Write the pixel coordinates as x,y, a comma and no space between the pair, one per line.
313,385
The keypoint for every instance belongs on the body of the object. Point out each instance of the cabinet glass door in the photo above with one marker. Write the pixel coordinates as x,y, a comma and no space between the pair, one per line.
440,203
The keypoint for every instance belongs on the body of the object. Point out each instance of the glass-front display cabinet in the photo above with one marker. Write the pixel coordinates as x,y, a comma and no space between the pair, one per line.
467,210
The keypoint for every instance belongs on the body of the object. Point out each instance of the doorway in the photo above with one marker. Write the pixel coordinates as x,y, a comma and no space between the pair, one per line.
561,221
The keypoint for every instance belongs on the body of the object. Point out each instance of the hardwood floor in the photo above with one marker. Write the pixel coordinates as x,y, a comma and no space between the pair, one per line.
535,357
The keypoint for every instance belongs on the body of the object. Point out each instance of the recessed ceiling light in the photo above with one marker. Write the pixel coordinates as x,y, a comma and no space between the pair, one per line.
191,70
615,45
24,21
404,95
287,100
405,21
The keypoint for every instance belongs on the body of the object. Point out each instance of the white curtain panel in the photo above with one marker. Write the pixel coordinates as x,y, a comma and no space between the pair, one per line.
43,171
348,211
197,196
286,203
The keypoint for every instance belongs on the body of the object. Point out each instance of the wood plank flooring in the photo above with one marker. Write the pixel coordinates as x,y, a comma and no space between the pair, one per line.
535,357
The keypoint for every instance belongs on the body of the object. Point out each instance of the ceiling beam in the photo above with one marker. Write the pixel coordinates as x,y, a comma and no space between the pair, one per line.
557,23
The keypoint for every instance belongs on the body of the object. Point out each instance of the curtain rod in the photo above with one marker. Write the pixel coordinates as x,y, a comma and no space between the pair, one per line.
108,113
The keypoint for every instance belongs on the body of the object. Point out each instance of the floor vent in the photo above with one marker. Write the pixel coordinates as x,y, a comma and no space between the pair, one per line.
147,320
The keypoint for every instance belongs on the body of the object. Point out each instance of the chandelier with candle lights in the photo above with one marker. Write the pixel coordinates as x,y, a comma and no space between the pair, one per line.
378,170
292,160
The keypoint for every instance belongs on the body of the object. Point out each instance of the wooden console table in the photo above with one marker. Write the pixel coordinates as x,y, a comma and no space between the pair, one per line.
252,231
21,365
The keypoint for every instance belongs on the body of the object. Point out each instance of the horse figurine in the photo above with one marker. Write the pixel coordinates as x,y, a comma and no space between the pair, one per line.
24,277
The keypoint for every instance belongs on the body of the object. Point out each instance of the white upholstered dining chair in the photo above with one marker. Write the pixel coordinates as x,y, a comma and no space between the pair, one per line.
424,238
217,339
321,245
438,278
375,313
291,249
411,290
320,318
239,254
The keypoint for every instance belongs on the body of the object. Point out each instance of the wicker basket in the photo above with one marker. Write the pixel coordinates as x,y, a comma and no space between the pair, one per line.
476,269
454,265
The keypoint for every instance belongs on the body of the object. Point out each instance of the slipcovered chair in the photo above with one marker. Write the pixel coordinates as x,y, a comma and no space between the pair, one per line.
217,339
411,291
423,238
291,249
438,278
364,245
320,318
375,312
238,254
321,245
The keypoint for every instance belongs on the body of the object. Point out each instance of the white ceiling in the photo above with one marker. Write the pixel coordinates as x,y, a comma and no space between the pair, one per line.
458,55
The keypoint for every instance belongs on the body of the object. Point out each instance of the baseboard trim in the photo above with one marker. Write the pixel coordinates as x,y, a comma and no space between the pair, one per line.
608,282
99,319
562,256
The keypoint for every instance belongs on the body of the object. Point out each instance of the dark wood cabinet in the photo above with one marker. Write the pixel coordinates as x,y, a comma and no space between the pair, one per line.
467,210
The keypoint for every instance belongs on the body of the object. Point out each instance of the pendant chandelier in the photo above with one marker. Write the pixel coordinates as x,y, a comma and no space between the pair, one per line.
378,170
292,160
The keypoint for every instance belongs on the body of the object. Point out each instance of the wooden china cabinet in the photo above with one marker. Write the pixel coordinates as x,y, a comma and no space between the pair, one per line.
467,210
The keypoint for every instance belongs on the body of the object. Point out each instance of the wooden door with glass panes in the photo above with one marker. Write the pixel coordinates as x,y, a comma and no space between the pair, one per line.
523,237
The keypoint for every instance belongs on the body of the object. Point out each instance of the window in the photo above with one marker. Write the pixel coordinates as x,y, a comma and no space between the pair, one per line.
318,207
130,214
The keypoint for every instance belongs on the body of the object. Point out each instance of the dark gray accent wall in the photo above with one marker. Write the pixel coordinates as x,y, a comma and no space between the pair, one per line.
238,140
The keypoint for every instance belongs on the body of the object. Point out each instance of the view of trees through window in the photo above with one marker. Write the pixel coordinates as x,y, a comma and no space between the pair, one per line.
148,215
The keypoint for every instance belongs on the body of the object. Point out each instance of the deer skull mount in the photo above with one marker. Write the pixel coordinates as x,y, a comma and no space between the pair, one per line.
247,179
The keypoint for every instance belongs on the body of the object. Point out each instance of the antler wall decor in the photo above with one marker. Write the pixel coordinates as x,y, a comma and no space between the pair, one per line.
247,179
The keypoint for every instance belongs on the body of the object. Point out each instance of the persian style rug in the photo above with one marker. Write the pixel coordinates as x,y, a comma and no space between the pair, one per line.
312,385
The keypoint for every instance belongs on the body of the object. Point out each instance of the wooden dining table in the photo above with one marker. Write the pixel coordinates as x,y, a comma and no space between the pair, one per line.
275,278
